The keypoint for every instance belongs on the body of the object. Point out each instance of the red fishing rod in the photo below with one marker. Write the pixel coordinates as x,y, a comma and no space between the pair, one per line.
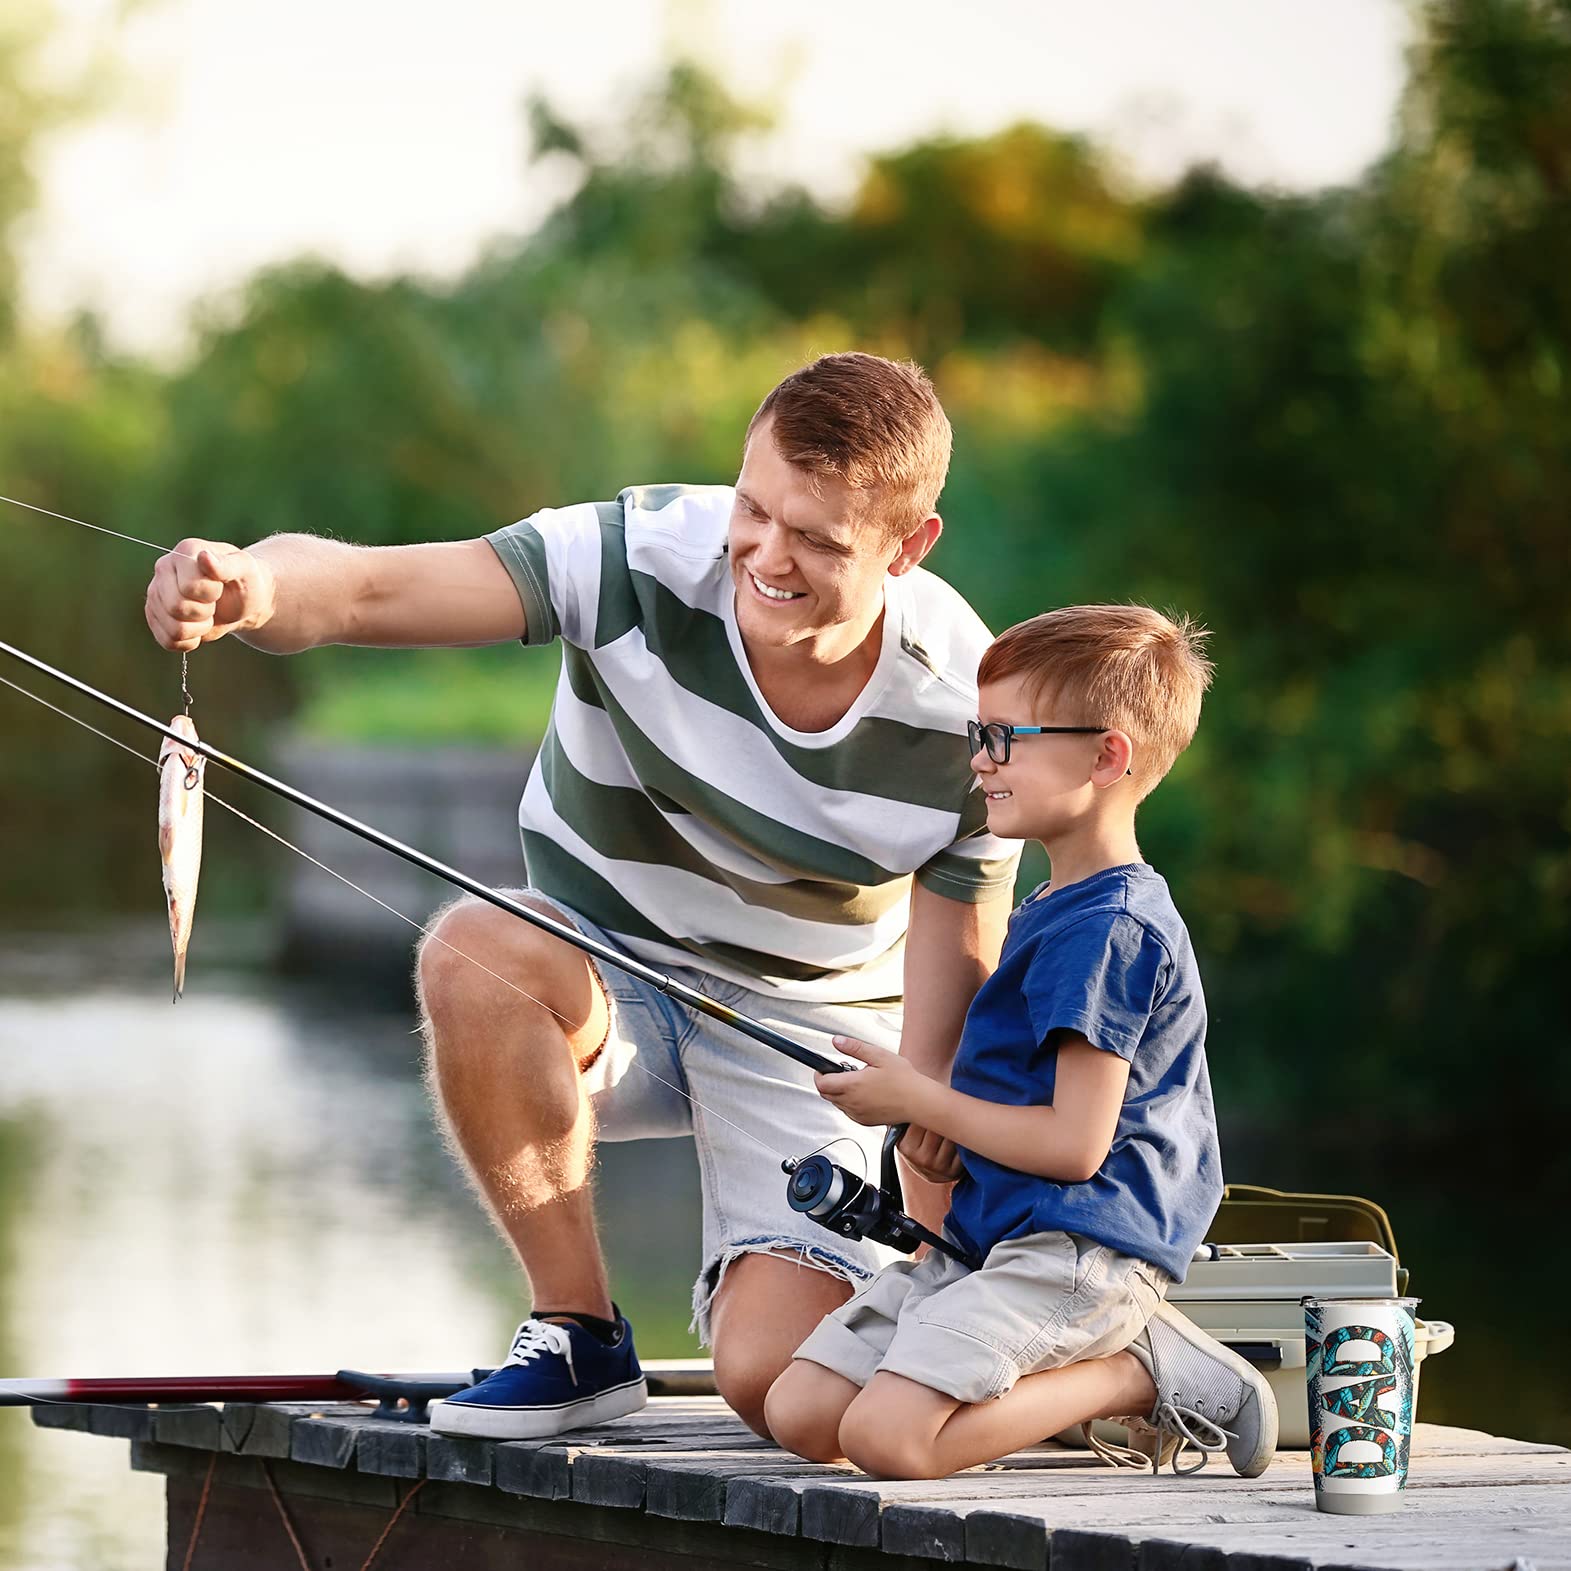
401,1397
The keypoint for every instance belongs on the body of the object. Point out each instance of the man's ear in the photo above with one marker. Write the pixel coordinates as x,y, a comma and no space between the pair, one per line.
916,545
1114,760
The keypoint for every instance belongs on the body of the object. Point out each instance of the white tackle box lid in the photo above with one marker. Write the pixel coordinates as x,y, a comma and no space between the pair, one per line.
1286,1273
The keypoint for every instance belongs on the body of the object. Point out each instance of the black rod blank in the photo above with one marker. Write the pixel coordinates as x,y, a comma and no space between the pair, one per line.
689,996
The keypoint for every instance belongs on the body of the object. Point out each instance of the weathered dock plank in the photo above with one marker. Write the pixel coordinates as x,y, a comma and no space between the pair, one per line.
454,1460
541,1470
1019,1535
1322,1541
684,1484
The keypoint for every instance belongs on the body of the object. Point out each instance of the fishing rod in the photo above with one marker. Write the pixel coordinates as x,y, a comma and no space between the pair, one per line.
818,1187
401,1397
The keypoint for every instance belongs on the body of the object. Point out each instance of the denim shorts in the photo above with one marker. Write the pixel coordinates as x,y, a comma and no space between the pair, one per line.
1039,1302
666,1071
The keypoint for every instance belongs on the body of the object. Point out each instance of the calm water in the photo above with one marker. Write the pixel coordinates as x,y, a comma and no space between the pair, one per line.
247,1182
250,1182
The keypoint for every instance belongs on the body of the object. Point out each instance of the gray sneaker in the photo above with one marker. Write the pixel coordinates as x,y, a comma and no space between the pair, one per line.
1207,1399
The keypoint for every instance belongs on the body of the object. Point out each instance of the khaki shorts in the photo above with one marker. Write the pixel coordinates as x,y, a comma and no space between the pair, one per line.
1039,1302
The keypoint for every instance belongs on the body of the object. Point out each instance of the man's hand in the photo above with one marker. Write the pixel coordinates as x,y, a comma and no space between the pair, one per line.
930,1156
204,589
890,1090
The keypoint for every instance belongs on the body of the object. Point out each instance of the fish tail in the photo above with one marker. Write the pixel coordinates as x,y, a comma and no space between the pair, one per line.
179,976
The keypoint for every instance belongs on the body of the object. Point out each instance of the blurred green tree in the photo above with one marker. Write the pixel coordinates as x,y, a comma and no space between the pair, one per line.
1331,425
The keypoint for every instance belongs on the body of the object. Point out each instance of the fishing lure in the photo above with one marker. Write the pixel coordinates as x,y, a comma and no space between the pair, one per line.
180,782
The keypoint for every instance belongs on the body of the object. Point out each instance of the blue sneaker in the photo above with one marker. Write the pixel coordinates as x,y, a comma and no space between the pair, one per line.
557,1377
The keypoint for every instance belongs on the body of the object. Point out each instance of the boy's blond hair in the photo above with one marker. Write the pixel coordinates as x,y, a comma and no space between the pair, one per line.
1125,667
875,424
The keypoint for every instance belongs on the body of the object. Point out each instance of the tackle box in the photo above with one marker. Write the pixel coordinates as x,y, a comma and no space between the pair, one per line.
1247,1294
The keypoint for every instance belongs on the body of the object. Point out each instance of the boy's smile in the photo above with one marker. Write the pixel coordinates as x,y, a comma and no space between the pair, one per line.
1046,785
1054,786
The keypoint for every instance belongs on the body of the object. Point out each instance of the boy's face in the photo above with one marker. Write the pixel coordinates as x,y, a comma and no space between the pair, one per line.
1050,782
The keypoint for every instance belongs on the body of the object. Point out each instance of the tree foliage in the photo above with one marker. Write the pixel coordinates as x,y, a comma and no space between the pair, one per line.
1331,426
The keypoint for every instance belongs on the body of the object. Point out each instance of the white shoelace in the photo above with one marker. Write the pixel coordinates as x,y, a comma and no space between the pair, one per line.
1114,1455
1188,1429
1175,1430
535,1337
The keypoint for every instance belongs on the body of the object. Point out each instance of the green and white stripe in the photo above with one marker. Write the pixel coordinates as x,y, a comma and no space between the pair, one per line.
671,807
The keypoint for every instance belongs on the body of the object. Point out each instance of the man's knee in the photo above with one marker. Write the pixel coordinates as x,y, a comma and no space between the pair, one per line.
474,959
446,952
743,1377
764,1308
459,947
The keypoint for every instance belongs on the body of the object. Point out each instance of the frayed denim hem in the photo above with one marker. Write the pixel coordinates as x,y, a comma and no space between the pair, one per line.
815,1256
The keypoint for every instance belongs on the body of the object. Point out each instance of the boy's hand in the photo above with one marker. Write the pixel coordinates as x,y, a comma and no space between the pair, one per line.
888,1091
930,1156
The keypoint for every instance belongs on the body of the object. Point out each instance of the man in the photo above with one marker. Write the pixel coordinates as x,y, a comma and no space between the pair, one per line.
755,776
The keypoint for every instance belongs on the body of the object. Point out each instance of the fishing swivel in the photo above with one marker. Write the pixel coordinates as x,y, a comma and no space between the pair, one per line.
193,771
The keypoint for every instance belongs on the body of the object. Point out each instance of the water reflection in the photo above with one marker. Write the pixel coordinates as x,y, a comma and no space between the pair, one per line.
249,1181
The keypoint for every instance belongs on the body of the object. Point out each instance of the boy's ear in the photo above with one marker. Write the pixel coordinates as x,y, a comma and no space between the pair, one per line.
1114,760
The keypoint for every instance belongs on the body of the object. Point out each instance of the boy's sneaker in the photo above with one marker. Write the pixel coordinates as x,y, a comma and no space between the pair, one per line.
1207,1398
558,1376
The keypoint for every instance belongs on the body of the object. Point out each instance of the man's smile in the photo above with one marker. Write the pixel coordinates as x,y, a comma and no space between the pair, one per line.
771,593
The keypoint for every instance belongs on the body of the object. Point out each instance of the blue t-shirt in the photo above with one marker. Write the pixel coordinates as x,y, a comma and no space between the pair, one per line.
1108,957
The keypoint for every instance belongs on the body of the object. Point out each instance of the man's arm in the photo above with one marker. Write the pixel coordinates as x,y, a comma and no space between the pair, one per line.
952,948
294,592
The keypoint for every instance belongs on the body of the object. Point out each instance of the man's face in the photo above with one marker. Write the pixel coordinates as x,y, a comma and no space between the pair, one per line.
805,565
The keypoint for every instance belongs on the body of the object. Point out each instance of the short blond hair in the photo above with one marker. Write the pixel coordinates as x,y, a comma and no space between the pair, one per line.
1126,667
875,424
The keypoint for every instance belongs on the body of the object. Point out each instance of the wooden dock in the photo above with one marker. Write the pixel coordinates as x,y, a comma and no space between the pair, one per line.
683,1486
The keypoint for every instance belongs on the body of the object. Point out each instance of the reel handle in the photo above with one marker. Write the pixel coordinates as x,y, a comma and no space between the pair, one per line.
888,1170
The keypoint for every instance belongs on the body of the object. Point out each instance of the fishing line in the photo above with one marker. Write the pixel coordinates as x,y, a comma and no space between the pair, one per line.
273,834
820,1192
186,693
152,545
505,981
843,1140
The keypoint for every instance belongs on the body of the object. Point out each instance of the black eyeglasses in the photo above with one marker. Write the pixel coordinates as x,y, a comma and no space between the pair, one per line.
997,736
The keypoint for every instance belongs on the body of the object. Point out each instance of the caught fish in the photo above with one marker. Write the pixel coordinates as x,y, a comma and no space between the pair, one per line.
180,835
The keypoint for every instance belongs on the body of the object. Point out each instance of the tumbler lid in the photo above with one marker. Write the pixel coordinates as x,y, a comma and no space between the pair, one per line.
1326,1303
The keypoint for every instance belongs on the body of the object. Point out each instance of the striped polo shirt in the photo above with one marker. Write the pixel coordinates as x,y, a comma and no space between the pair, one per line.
674,809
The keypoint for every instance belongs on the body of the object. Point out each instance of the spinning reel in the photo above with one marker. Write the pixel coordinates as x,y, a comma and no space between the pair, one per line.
837,1199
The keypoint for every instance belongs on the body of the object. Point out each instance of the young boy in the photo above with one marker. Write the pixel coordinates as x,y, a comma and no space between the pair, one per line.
1078,1115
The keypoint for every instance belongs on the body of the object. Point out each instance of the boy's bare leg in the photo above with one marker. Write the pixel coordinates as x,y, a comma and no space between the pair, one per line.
805,1407
899,1429
505,1072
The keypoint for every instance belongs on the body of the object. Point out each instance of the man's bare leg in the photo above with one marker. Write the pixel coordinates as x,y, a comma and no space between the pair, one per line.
766,1306
505,1075
504,1070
